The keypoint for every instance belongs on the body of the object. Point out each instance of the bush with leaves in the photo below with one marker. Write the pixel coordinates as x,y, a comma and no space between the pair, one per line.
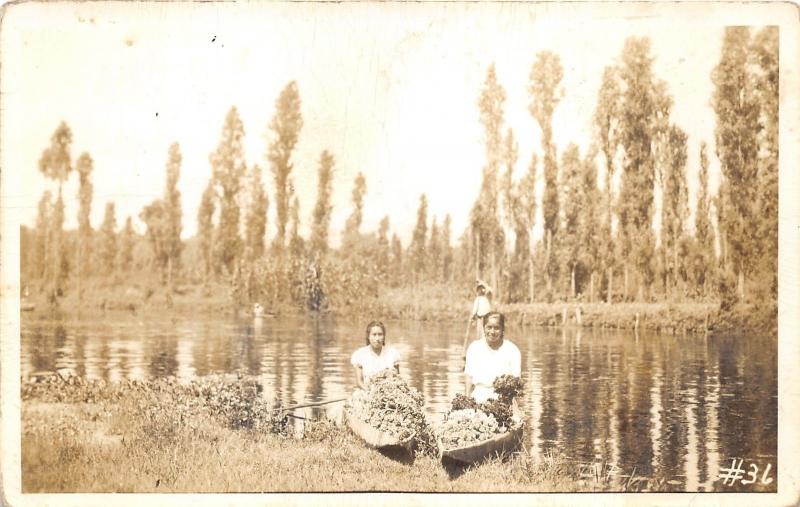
240,404
507,388
167,403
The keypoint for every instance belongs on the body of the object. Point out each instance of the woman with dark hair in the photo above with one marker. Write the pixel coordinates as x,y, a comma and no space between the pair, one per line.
375,356
490,358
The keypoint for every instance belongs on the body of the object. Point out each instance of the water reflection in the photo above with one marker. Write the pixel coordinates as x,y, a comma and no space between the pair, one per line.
672,408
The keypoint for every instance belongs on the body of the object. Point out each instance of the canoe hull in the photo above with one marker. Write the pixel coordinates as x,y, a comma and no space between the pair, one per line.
501,444
375,438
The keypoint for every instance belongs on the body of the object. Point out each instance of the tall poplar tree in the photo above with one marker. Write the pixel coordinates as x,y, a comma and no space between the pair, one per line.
484,219
353,224
723,209
256,217
296,244
43,219
84,166
321,217
397,263
156,219
644,111
383,248
447,250
205,230
546,92
55,164
172,202
126,244
705,256
510,157
416,249
108,240
228,169
434,252
764,55
736,106
674,204
509,267
285,130
524,213
573,200
56,259
606,126
589,220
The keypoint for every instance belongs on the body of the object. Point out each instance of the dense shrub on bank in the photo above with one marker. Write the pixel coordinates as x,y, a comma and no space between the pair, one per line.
167,403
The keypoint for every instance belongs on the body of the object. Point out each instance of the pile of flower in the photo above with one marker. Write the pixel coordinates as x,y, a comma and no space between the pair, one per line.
469,421
466,426
500,411
389,404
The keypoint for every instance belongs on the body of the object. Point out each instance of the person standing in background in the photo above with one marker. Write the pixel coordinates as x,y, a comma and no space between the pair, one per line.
480,307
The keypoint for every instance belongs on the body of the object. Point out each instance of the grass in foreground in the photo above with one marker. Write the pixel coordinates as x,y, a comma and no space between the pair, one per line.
210,436
217,459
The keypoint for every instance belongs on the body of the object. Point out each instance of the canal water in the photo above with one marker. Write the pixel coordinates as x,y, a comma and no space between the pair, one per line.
677,409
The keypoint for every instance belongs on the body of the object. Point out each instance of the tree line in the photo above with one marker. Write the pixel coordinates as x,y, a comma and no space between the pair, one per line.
599,242
594,235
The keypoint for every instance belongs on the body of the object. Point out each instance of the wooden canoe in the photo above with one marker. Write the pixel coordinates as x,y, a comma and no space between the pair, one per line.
476,451
375,438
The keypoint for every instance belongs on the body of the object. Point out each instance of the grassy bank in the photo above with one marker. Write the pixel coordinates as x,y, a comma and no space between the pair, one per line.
441,303
161,436
434,302
118,296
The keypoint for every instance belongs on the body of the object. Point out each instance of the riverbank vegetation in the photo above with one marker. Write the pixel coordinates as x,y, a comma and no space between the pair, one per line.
604,239
212,435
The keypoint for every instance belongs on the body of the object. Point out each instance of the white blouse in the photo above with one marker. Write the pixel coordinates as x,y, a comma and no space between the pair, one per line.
372,363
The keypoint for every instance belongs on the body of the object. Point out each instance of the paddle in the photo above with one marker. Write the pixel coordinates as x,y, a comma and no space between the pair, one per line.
466,338
311,404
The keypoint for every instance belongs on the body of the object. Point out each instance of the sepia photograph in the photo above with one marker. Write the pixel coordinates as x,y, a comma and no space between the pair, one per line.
399,248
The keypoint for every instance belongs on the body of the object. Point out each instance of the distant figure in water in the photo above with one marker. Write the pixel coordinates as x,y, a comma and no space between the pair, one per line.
258,311
375,356
480,307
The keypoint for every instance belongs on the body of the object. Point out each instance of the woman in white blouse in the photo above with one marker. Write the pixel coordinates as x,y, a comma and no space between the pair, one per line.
375,356
490,358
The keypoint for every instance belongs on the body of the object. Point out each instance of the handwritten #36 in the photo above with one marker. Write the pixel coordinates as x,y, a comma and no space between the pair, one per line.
735,473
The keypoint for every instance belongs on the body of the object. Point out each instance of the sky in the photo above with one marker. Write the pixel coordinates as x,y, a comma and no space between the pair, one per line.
389,89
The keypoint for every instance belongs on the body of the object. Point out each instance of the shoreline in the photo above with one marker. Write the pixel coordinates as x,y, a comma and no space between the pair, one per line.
704,318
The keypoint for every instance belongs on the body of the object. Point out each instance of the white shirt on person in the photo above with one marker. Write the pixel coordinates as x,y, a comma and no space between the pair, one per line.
484,364
481,306
372,363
